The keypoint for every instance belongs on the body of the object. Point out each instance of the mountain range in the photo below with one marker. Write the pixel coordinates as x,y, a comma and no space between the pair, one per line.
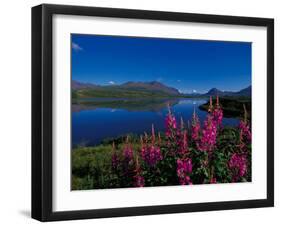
143,89
243,92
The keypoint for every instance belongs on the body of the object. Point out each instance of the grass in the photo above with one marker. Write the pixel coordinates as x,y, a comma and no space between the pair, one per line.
91,166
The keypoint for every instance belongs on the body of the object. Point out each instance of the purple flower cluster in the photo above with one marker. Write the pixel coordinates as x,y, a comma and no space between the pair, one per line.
245,127
195,127
217,114
138,178
245,130
151,153
183,143
211,126
128,151
238,165
179,149
209,135
184,167
139,181
171,124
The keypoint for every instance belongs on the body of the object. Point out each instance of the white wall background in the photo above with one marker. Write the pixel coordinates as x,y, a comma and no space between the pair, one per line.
15,113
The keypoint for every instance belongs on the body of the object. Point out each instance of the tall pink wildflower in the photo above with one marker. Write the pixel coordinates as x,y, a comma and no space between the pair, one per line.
184,169
151,153
245,130
217,113
138,178
128,151
195,127
238,166
182,139
170,123
245,127
209,135
210,109
209,132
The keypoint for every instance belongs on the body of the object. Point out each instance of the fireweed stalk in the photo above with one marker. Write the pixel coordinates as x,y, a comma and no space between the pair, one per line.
245,127
151,153
195,127
238,166
209,135
182,140
138,178
211,126
217,114
184,169
114,157
171,124
128,151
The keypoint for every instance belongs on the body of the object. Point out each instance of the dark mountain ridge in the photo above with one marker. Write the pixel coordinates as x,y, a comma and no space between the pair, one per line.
155,86
243,92
143,89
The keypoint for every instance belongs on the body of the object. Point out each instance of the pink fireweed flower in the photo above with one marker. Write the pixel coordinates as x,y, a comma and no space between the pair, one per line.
245,127
217,116
238,166
195,127
241,144
128,150
182,124
183,143
159,139
245,130
154,155
213,180
184,167
209,135
114,157
144,150
139,181
138,178
210,109
151,153
217,113
170,123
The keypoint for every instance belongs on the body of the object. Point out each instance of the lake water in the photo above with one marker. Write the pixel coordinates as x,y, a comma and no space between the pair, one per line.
97,119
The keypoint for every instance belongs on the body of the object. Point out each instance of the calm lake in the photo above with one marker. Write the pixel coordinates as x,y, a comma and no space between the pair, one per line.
94,120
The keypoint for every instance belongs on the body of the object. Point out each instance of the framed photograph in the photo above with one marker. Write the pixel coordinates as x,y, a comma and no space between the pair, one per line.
146,112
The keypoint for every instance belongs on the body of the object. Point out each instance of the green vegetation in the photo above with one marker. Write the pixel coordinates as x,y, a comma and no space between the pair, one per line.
232,106
91,166
116,92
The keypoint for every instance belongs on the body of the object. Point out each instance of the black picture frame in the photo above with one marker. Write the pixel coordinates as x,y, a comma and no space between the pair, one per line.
42,111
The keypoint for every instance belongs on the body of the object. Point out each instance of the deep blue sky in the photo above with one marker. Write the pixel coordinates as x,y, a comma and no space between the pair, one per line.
184,64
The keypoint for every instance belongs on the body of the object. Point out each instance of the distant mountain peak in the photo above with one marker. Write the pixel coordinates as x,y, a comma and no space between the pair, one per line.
214,91
75,85
243,92
152,86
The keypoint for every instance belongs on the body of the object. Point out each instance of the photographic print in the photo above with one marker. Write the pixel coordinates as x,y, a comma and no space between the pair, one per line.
159,112
130,106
